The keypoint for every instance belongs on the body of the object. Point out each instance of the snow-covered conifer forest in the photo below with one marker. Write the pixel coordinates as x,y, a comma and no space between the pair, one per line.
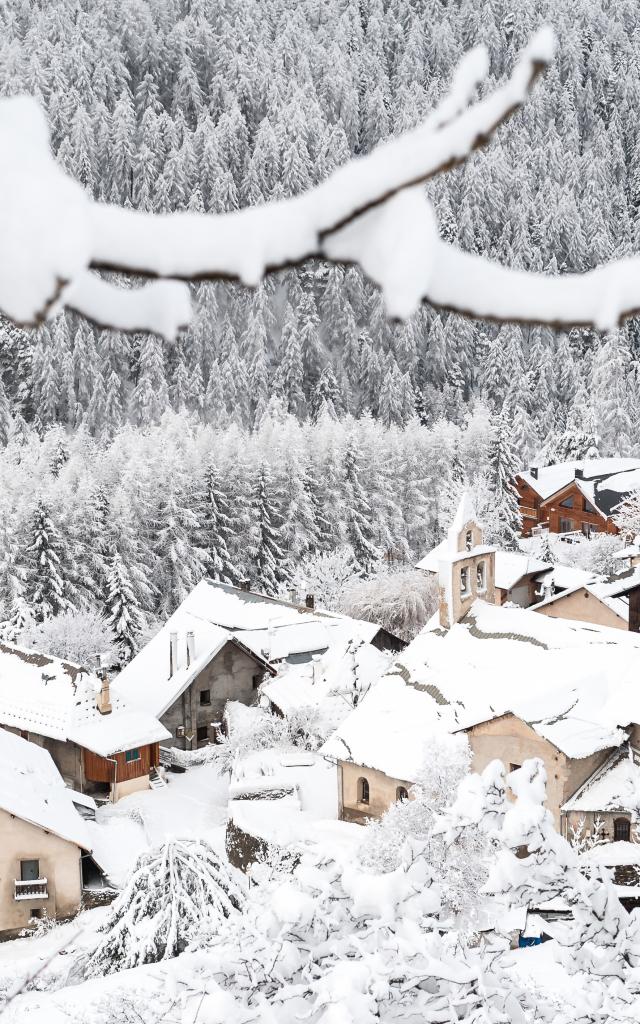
212,106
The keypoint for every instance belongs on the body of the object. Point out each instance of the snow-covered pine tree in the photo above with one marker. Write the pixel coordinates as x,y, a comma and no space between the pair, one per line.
122,609
503,467
44,585
176,892
268,559
217,526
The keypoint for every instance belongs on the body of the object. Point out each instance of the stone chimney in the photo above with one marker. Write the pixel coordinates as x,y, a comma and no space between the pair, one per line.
173,654
103,702
191,648
310,601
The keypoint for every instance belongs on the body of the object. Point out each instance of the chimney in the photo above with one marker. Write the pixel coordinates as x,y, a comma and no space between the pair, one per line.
173,653
245,585
293,595
579,473
103,703
191,648
310,601
534,472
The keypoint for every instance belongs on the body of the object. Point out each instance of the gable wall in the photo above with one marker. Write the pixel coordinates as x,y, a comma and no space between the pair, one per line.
529,502
228,676
552,511
583,607
59,863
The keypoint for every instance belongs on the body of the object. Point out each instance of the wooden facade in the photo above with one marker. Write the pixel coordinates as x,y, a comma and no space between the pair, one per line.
566,511
117,768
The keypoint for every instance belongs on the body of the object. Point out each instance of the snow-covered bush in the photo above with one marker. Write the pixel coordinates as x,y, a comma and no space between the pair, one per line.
326,575
461,868
252,730
77,634
401,602
595,555
174,893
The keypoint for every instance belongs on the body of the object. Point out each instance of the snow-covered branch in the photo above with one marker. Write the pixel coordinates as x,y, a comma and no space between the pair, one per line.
53,233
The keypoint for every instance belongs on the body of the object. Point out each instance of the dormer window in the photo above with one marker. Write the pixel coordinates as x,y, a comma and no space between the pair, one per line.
468,542
481,577
464,581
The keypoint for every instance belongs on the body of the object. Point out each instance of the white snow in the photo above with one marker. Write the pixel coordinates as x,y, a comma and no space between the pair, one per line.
31,788
554,478
614,786
613,854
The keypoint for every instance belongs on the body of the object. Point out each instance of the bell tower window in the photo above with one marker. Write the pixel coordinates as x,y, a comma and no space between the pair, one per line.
464,581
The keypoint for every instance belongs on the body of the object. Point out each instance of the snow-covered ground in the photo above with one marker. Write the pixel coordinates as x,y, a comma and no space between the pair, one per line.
193,804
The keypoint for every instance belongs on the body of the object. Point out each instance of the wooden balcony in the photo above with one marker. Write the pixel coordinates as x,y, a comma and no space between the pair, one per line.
36,889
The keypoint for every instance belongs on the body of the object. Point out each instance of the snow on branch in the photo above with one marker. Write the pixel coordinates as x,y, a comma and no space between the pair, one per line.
371,212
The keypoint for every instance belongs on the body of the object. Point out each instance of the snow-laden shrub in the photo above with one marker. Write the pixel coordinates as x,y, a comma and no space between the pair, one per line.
256,729
326,575
77,635
174,892
595,555
401,602
461,869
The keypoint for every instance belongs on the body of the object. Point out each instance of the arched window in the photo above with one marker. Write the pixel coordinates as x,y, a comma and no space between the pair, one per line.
402,794
468,540
464,581
621,830
481,577
363,791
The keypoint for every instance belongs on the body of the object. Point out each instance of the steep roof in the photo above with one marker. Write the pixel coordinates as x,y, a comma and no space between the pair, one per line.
267,629
55,698
572,683
32,789
617,475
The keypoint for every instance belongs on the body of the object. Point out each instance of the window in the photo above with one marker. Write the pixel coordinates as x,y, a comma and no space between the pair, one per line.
256,680
589,530
481,577
567,503
621,830
202,733
566,525
588,507
205,696
363,791
514,767
402,794
132,755
29,870
464,581
468,541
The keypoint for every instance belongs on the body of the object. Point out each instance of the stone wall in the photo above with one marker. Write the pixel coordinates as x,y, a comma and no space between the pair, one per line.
228,676
583,607
382,792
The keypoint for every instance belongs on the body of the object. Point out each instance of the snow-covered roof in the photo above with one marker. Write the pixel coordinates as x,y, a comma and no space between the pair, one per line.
54,698
617,472
510,566
612,592
566,577
573,683
330,682
31,788
217,614
614,786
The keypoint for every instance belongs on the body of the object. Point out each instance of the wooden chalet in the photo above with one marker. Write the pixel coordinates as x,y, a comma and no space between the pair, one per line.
98,744
576,497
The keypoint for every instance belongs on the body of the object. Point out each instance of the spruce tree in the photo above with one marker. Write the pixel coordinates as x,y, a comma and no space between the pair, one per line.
122,609
45,590
268,560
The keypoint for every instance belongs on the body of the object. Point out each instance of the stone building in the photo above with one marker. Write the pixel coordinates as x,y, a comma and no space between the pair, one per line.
43,838
219,646
516,683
